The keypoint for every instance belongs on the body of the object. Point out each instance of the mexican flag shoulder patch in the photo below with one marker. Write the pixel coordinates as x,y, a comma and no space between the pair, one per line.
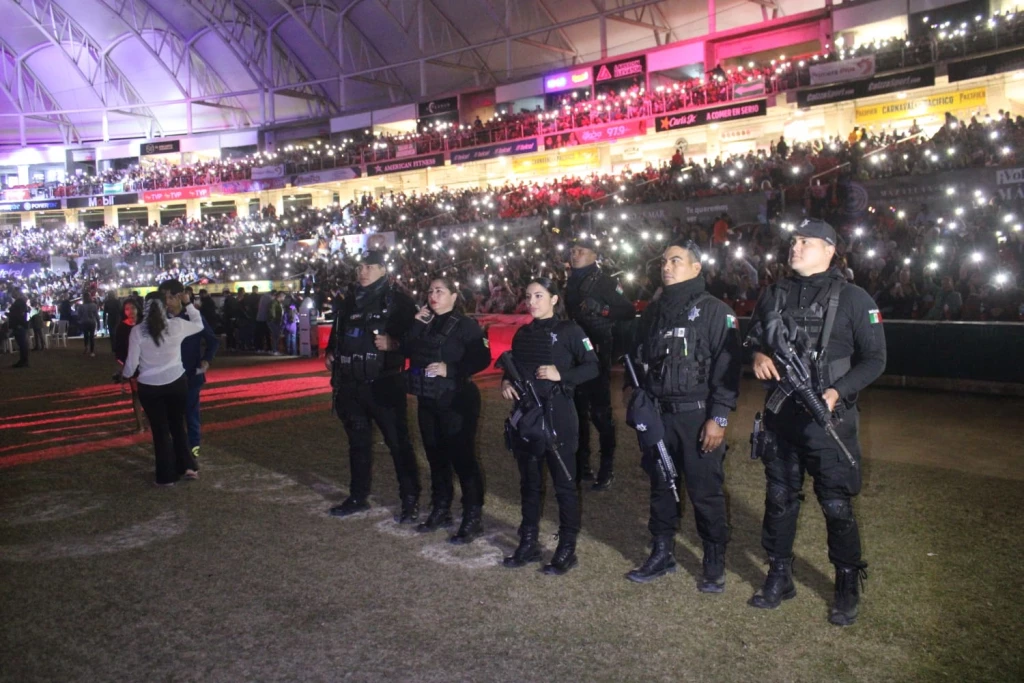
587,345
618,288
874,316
730,321
487,342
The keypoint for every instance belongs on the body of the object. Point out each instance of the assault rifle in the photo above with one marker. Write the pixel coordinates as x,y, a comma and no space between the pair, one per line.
531,422
796,378
644,416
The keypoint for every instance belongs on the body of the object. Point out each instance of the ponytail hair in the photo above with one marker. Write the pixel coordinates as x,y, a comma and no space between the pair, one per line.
156,320
551,287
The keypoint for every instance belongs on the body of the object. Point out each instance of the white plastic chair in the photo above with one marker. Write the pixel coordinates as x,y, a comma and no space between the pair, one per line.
60,336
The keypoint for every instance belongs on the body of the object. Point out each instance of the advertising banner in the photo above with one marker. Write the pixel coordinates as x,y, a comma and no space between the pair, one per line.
31,205
113,188
986,66
267,172
732,112
934,189
846,70
413,164
879,85
594,134
164,147
552,163
569,80
623,68
102,200
176,194
504,149
20,270
405,149
749,89
330,175
239,186
446,105
921,106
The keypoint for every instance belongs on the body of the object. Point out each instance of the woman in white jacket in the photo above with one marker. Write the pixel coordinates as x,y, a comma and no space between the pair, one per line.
154,348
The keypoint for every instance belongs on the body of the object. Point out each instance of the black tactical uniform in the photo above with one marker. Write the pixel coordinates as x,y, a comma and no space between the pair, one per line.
449,409
595,302
563,344
368,385
688,346
847,353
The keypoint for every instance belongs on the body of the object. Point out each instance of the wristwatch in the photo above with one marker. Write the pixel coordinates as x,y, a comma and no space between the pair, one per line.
722,422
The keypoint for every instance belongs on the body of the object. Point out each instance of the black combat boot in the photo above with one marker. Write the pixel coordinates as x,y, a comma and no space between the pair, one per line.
440,516
778,585
564,558
470,527
350,506
605,476
583,470
528,550
848,584
410,510
713,578
660,562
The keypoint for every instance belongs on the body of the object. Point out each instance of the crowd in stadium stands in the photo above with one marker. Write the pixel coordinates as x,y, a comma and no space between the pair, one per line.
944,42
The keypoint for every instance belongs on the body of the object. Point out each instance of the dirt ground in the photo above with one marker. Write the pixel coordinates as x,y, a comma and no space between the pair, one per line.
242,576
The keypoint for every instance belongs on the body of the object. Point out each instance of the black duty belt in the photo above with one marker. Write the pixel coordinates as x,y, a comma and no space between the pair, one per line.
677,407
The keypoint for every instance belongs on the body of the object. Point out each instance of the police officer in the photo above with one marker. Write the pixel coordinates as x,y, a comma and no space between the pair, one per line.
557,357
595,301
445,349
691,354
365,360
845,352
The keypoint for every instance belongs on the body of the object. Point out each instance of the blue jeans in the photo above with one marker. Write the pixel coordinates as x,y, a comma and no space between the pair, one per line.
192,421
291,337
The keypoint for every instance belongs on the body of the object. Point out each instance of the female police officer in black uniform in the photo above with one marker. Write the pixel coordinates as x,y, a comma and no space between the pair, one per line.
556,356
445,349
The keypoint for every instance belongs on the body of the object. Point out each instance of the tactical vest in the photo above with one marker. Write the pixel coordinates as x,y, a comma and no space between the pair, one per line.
356,356
427,350
598,326
678,357
817,320
531,348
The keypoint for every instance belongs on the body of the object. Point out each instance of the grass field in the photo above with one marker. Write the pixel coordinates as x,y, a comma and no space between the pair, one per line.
242,576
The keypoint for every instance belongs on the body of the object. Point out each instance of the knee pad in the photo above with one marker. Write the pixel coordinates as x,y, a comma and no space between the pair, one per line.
779,500
838,514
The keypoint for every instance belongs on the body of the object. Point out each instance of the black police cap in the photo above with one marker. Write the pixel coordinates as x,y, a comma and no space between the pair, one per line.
813,227
586,241
374,257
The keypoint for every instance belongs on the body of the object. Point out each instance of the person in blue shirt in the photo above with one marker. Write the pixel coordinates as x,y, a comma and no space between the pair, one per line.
196,360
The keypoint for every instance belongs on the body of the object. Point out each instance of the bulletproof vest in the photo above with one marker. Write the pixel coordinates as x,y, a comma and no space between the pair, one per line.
817,320
678,355
427,350
356,355
531,348
595,325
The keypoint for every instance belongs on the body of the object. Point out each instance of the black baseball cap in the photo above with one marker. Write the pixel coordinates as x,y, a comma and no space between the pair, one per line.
374,257
813,227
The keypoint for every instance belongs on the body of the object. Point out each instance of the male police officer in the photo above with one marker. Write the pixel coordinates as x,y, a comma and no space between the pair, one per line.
844,349
595,301
688,346
366,364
